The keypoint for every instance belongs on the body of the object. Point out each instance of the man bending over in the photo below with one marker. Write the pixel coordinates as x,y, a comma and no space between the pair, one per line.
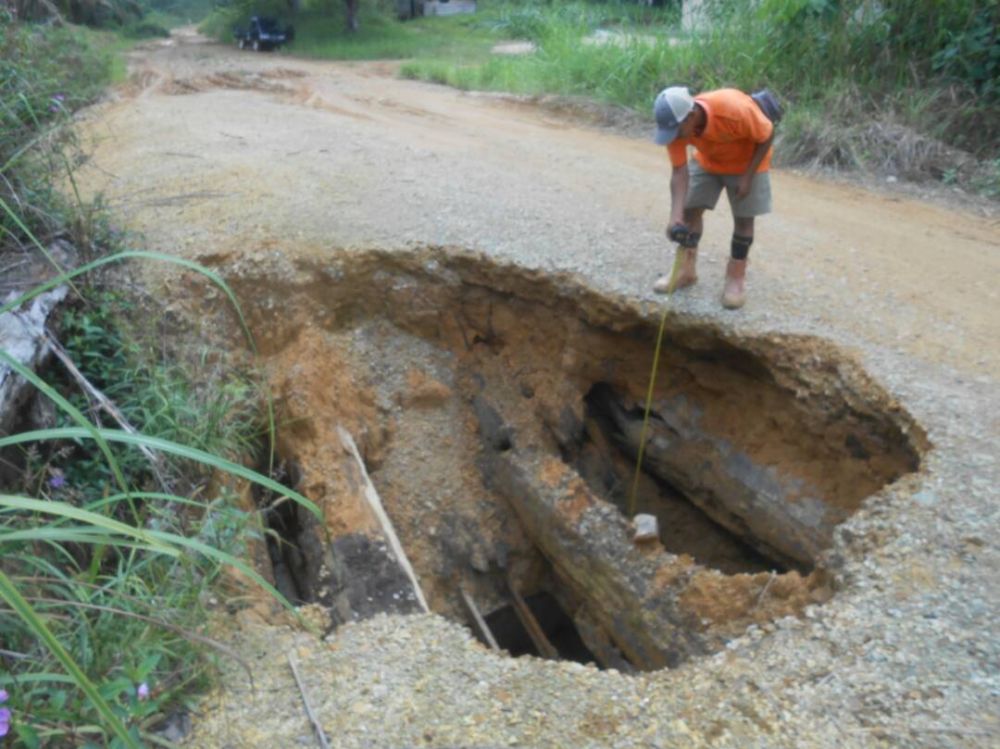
732,139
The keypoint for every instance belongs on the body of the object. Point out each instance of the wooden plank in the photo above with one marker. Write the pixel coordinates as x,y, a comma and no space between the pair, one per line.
371,495
545,648
477,619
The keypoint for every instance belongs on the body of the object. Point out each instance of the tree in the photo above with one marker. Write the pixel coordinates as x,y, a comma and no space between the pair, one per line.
352,15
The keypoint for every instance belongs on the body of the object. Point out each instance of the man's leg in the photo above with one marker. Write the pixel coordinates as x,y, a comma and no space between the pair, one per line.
694,219
687,273
743,227
703,193
687,256
757,203
734,293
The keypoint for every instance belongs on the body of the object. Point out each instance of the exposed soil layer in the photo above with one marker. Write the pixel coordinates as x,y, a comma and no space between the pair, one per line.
498,411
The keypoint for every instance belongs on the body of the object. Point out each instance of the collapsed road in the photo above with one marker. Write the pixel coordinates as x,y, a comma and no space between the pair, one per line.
459,283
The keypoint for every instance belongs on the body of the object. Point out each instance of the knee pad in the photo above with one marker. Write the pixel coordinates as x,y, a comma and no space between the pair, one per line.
740,247
691,241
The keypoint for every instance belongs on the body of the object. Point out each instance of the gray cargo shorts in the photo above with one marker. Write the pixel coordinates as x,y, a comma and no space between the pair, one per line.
704,189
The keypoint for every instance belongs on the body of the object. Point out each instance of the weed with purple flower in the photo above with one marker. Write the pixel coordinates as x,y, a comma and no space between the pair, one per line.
5,714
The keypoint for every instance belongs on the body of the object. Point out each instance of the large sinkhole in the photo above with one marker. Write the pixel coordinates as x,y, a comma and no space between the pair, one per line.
470,433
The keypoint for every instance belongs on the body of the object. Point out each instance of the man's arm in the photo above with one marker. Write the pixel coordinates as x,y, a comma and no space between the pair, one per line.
759,152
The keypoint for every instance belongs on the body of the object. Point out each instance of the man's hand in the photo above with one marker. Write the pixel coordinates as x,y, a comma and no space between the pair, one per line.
743,186
678,233
683,236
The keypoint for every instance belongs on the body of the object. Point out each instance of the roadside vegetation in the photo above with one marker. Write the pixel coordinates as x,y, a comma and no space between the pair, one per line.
909,89
116,520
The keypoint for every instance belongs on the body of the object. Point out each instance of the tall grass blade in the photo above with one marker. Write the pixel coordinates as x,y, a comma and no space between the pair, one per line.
39,678
217,554
74,413
181,631
81,534
95,521
155,443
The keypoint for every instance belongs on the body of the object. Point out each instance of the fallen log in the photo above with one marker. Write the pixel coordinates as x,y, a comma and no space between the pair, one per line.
22,338
783,516
659,609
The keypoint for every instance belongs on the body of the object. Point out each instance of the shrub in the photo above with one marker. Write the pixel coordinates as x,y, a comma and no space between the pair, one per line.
145,30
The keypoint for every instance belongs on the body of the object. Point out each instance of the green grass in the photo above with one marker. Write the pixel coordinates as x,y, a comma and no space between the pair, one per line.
110,541
454,37
112,47
45,74
627,74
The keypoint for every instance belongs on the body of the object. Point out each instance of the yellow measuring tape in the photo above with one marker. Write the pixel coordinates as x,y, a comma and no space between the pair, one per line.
652,385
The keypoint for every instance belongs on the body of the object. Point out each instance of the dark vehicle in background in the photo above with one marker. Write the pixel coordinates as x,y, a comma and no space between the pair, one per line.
262,34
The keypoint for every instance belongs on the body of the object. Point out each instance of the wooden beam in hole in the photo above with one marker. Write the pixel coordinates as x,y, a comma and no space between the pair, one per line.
375,503
477,619
545,648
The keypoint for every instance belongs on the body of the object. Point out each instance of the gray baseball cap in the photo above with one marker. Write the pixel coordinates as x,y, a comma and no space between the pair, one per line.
672,105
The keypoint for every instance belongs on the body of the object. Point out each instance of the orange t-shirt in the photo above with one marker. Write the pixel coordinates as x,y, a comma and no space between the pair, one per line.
734,128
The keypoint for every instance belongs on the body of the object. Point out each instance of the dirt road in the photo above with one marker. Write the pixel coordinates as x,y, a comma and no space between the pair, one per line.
232,157
211,151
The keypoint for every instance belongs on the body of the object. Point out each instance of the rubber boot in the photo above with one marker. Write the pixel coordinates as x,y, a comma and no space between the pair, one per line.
686,272
734,294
